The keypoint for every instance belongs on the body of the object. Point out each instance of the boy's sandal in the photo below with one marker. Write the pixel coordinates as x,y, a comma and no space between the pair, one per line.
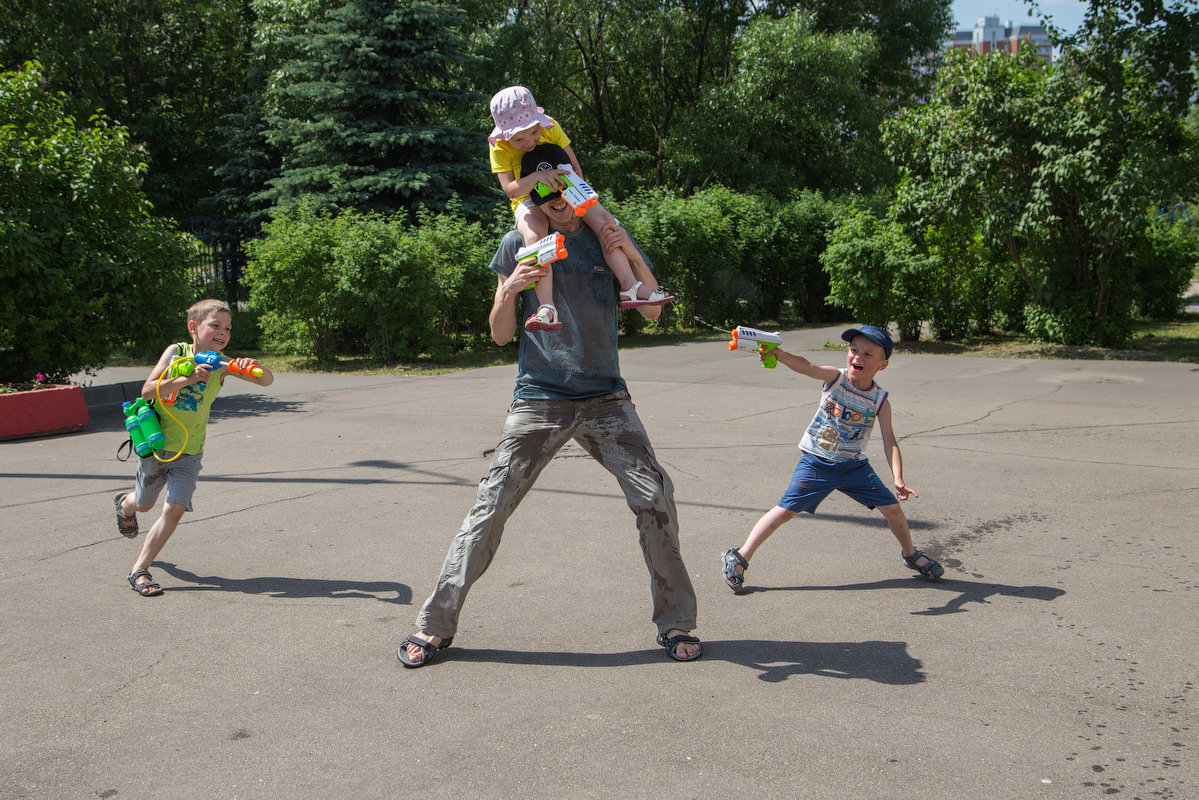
629,298
427,651
671,643
546,319
729,563
147,589
126,525
929,569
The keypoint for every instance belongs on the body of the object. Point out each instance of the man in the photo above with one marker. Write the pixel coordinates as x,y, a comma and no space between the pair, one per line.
568,386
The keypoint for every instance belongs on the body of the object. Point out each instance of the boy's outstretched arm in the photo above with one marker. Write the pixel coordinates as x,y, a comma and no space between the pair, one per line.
802,365
246,365
902,490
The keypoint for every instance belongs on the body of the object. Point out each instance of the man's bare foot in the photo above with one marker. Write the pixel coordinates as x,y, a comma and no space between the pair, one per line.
415,654
680,644
686,649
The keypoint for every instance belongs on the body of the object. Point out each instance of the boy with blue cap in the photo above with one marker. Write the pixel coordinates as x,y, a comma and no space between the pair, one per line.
834,452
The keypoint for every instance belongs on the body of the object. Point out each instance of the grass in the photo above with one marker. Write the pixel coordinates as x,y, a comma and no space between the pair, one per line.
1168,340
1158,340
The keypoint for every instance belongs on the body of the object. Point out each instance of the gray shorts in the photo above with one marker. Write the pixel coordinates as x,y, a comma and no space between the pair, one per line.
179,476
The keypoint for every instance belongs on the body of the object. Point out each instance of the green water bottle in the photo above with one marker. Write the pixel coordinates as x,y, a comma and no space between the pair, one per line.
149,425
133,425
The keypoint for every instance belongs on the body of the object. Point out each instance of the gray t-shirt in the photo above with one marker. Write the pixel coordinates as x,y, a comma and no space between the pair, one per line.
580,360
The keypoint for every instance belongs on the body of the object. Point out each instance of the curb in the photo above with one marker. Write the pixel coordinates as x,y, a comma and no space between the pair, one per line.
111,394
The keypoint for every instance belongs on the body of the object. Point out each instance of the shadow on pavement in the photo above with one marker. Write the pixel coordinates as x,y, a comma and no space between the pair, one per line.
965,591
252,405
289,587
882,662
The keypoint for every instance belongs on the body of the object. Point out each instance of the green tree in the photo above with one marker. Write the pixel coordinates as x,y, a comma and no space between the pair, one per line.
797,112
625,76
1052,168
166,70
84,266
1158,39
877,272
358,115
905,32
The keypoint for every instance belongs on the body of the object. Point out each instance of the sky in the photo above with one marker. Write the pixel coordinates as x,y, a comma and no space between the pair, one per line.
1067,14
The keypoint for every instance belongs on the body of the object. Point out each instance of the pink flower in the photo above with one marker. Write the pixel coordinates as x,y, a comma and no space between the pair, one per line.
40,377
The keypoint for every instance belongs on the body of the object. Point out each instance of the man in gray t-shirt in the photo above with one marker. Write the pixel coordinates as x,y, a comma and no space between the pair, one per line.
568,386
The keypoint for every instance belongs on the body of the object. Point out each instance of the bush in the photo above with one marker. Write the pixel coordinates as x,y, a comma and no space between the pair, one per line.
1077,325
86,268
365,283
733,257
694,253
293,283
424,290
793,271
877,273
1164,267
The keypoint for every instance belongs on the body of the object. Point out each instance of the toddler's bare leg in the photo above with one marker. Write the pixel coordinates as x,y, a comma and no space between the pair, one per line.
534,225
598,218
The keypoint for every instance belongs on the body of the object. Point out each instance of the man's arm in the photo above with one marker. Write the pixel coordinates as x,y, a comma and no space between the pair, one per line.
502,318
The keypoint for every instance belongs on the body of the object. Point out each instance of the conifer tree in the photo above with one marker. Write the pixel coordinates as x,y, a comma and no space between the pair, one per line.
362,114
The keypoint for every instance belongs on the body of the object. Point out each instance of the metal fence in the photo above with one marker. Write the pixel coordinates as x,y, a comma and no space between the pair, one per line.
218,267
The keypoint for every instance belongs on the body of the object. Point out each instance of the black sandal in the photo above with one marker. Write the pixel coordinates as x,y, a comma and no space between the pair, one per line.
672,643
930,569
729,562
428,651
147,589
126,525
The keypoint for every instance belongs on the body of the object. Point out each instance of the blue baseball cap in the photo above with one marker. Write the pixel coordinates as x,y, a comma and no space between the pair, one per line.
876,335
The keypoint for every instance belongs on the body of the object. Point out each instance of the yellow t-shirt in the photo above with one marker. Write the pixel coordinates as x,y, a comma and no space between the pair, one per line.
506,158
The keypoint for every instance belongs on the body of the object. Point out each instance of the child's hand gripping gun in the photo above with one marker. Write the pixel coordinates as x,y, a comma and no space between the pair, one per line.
752,340
186,365
580,196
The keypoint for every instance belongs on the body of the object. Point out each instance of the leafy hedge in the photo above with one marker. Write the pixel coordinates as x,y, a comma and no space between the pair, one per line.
355,283
85,267
735,258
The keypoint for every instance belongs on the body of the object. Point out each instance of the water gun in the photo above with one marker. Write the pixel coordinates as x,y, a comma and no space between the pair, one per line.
758,342
751,340
186,365
546,250
580,196
144,429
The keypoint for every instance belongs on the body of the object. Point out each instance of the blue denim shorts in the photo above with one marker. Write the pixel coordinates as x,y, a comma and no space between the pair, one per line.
816,478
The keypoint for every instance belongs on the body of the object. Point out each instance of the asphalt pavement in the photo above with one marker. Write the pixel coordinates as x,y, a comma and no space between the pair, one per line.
1055,660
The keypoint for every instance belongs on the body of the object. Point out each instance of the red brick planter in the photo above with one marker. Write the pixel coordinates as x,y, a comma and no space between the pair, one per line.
40,412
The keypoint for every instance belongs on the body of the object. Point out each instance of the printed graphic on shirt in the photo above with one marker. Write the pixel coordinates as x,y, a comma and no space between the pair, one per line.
843,422
189,399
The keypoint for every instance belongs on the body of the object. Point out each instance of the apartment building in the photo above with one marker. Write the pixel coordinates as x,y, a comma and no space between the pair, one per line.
991,33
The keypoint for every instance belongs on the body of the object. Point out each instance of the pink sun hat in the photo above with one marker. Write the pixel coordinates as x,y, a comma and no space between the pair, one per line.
514,110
